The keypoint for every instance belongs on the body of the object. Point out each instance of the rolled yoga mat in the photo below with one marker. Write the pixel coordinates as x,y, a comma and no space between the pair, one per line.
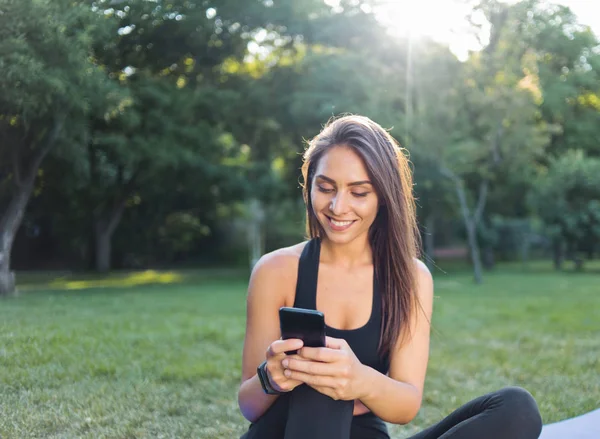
581,427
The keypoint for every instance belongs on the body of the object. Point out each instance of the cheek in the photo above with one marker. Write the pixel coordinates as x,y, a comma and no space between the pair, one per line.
369,209
318,199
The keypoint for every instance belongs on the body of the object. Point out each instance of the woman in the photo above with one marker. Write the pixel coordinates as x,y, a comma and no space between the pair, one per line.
359,268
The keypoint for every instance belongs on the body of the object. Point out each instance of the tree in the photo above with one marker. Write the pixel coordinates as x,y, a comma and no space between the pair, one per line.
170,56
46,82
429,111
566,195
299,83
490,121
568,64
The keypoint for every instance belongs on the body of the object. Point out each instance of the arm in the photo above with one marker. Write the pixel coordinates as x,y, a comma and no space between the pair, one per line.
397,398
266,294
335,370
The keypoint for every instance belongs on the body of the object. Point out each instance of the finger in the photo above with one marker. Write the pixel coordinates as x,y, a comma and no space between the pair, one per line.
282,346
286,360
282,383
311,367
325,355
288,385
334,343
313,380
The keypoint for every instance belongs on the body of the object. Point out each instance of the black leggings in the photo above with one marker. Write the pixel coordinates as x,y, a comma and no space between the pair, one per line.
510,413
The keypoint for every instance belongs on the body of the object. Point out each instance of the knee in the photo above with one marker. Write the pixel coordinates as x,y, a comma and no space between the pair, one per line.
522,411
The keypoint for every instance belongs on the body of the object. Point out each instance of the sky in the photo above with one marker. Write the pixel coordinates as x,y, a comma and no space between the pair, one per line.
444,20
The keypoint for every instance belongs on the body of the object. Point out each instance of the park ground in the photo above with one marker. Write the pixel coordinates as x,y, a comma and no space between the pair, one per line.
157,354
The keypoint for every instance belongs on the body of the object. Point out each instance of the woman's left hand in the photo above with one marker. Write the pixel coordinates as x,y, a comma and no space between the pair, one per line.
333,370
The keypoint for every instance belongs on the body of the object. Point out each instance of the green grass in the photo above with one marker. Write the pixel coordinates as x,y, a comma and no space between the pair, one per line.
149,355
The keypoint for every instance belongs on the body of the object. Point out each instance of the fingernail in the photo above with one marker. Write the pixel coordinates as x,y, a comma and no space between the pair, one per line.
287,372
285,363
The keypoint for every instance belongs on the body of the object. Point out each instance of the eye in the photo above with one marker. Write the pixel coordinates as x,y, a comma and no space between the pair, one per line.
324,190
361,195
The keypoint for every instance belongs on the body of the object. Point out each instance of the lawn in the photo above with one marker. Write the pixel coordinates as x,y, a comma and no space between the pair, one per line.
157,355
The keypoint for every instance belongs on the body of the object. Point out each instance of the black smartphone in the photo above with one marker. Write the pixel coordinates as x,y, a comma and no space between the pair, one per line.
306,324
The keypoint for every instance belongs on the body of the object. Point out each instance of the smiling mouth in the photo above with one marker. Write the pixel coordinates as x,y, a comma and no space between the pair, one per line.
339,225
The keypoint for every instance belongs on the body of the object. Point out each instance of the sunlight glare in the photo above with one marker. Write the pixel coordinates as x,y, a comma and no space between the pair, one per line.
444,21
440,20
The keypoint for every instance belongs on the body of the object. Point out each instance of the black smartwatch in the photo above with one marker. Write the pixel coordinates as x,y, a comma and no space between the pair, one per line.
261,371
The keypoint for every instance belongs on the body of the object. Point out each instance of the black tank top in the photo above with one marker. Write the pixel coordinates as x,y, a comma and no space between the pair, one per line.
363,341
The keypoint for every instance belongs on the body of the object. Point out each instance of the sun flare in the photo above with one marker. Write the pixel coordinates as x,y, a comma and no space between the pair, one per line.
440,20
445,21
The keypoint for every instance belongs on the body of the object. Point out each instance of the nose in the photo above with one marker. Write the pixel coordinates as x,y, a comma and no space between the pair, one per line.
338,205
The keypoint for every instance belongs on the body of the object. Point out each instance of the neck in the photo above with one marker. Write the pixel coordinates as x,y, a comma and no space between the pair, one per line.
352,254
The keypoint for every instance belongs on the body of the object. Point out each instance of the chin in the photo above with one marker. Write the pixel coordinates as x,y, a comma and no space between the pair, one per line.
337,238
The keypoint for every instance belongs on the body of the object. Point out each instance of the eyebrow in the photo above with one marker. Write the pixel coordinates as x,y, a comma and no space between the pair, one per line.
332,181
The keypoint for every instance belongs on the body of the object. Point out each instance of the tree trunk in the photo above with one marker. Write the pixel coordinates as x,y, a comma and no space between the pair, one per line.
578,260
558,254
474,249
429,242
590,253
106,219
7,281
7,278
10,221
103,251
255,231
575,256
9,225
471,219
489,261
104,228
525,248
471,222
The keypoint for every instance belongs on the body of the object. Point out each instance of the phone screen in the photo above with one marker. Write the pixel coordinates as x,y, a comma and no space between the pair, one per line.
306,324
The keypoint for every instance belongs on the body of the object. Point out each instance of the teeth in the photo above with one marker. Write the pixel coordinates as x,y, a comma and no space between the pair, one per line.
341,223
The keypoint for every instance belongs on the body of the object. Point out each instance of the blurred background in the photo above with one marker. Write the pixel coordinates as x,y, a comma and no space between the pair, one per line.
158,142
169,133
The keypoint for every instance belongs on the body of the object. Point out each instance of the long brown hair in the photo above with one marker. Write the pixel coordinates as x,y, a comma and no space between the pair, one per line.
394,235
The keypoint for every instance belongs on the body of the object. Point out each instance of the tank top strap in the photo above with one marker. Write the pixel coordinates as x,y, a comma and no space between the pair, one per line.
308,271
377,294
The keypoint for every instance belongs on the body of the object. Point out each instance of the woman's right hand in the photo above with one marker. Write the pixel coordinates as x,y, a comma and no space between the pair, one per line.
276,353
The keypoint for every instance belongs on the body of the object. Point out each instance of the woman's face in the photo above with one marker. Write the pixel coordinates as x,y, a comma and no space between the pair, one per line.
343,198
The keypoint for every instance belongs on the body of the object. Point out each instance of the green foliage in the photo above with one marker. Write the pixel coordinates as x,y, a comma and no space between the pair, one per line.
181,231
567,198
186,106
44,57
568,66
48,73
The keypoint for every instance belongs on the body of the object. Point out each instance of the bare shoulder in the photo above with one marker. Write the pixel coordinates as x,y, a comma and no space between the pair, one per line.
276,273
423,273
424,283
280,261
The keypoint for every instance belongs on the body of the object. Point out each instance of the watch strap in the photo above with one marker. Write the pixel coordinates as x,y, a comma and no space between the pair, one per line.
263,376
